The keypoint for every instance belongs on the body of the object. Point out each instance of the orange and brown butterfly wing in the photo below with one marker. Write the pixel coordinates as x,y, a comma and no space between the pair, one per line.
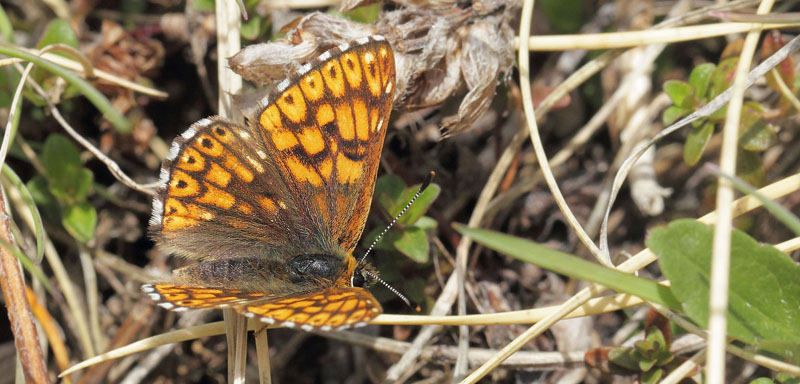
221,196
298,180
325,130
329,309
181,297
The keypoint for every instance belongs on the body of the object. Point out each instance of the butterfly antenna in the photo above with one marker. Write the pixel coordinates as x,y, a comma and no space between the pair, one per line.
396,292
424,185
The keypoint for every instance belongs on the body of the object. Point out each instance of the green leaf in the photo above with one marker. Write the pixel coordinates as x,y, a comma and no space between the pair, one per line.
762,380
656,339
132,7
426,223
571,266
79,220
388,190
413,242
6,28
40,192
785,378
69,180
652,377
82,184
754,132
420,206
58,32
750,168
392,195
700,78
565,16
678,92
696,142
7,79
60,156
250,28
673,113
203,5
764,302
643,346
758,137
647,364
796,83
367,14
624,357
254,28
722,77
367,239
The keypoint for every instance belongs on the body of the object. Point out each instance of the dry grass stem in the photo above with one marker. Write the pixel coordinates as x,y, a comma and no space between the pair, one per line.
83,69
684,370
228,43
614,40
720,255
51,331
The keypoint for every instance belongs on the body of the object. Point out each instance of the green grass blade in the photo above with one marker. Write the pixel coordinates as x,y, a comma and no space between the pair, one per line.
98,99
782,214
572,266
14,179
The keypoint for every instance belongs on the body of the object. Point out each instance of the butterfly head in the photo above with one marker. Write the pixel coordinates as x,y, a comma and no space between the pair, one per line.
364,276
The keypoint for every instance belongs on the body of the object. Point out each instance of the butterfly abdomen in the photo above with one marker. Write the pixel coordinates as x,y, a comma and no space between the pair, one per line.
319,267
249,274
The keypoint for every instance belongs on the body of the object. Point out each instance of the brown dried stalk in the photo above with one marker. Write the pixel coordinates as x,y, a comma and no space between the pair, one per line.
18,309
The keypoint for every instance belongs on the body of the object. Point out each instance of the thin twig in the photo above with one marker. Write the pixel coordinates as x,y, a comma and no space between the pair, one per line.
112,166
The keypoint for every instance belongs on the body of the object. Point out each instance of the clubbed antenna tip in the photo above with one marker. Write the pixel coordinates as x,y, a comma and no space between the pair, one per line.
426,182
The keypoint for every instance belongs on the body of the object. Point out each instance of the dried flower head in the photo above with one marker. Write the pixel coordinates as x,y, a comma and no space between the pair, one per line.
441,49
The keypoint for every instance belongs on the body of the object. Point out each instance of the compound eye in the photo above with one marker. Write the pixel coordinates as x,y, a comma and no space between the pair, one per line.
358,279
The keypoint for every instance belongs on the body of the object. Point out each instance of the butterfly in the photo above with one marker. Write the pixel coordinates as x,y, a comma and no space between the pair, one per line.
272,210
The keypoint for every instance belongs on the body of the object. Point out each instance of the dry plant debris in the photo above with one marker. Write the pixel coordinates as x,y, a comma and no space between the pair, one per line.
457,111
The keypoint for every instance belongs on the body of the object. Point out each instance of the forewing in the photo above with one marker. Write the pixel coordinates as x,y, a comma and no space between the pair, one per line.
325,127
332,308
222,196
181,297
